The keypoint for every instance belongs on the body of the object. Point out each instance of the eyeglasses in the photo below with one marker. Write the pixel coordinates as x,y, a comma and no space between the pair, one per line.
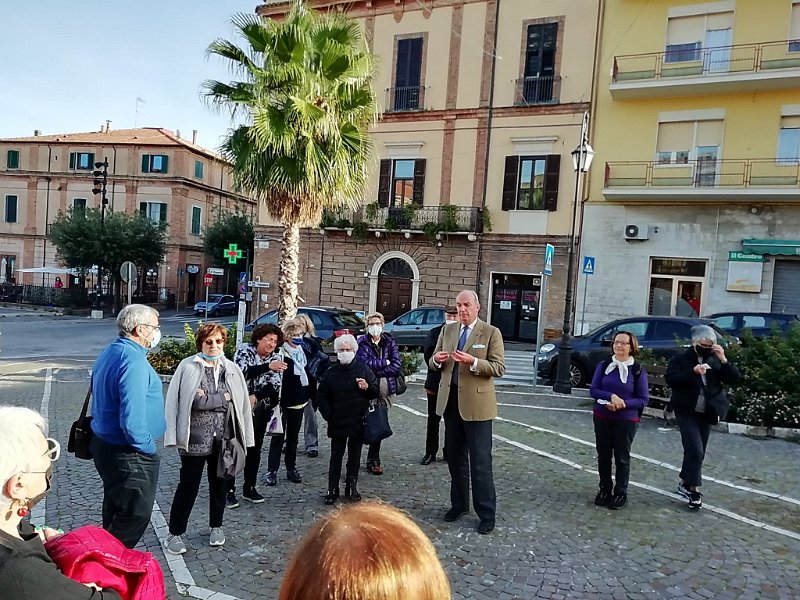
153,327
53,449
218,342
619,343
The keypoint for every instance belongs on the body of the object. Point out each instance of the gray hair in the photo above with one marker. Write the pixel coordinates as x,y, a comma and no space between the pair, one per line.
20,438
702,333
133,315
346,338
473,293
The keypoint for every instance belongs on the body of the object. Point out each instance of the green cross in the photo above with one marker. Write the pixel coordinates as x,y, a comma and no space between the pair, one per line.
233,253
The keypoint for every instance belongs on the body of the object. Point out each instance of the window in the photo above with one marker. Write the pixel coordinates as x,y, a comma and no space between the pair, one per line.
531,182
794,28
415,317
198,169
155,211
401,182
688,36
12,159
540,63
727,323
79,204
154,163
672,331
11,209
435,316
408,75
83,161
637,328
789,141
196,213
8,274
695,143
676,287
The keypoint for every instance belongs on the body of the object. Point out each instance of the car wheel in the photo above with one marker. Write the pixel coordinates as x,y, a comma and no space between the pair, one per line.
212,313
577,375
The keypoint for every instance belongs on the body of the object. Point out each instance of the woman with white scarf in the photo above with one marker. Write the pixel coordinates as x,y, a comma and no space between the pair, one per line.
296,387
620,390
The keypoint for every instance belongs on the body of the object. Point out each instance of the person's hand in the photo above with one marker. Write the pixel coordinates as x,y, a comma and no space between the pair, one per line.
610,406
617,402
227,396
94,586
253,401
200,393
362,383
719,352
48,533
701,369
278,366
441,357
463,357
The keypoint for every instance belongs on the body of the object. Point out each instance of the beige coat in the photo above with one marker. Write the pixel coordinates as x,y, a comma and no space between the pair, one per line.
476,395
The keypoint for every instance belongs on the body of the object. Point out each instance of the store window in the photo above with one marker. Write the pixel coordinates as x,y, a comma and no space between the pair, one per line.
676,287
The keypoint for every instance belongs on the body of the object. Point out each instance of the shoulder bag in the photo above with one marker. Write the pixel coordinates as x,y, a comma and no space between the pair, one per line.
401,384
80,434
232,454
376,423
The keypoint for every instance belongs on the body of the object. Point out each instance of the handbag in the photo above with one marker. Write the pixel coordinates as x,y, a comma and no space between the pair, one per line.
232,455
401,384
275,423
718,403
376,423
80,434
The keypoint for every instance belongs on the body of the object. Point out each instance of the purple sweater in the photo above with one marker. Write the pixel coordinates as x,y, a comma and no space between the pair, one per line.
635,399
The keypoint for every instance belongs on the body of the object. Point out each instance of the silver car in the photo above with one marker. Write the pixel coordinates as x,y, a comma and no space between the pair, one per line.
411,329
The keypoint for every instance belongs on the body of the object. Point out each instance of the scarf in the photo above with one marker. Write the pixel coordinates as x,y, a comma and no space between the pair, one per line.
622,366
298,356
247,356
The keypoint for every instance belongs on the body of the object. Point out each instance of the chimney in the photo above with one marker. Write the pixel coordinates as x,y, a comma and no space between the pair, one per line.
194,136
178,133
102,128
108,125
37,132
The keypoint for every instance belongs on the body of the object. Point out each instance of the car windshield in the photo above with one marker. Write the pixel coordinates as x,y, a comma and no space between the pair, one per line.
214,297
348,320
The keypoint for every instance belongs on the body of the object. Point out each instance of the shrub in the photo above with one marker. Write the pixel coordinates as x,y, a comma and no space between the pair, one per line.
411,362
171,351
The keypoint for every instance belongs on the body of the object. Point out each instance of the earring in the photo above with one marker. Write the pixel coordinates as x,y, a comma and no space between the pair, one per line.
23,511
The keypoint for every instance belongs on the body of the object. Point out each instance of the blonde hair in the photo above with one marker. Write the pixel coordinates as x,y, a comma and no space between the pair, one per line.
307,323
376,315
20,439
292,327
369,551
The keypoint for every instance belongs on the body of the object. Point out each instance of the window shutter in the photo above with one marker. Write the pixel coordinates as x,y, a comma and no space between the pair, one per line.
510,183
11,209
163,215
91,161
12,161
145,163
384,183
552,169
419,181
165,164
71,160
143,209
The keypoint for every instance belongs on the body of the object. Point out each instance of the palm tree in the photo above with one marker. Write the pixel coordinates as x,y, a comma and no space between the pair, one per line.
305,92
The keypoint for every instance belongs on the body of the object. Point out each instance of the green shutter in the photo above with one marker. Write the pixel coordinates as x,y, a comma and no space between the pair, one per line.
13,159
163,216
198,169
91,161
165,164
145,163
143,209
71,160
11,209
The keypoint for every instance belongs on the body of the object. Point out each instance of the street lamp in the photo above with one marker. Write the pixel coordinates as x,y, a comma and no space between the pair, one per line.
581,161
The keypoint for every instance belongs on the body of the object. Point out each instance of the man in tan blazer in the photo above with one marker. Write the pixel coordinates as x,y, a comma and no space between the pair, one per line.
468,354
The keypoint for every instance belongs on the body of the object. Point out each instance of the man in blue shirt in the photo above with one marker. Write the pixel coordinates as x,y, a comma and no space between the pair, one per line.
128,417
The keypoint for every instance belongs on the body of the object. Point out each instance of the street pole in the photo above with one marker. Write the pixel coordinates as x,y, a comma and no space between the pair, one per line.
206,317
582,158
130,284
583,310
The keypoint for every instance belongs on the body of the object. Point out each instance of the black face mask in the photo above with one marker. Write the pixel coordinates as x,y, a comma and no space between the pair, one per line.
48,475
703,352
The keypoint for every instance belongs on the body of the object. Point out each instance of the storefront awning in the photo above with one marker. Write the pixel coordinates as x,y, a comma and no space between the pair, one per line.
781,247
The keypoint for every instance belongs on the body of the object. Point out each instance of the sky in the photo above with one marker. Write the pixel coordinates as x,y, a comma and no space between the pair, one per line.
69,66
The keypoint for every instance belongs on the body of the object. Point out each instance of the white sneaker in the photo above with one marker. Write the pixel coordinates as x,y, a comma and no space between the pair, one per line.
174,544
217,537
684,491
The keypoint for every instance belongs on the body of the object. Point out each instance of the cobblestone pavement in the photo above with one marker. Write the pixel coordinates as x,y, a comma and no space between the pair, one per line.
550,540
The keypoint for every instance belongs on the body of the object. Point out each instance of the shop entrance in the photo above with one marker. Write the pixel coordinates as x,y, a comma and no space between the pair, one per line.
515,305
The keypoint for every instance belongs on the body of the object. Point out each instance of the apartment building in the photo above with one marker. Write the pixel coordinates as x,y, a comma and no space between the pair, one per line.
694,203
481,104
150,170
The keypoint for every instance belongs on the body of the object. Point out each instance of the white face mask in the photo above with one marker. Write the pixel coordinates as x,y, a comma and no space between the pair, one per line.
156,338
375,330
346,356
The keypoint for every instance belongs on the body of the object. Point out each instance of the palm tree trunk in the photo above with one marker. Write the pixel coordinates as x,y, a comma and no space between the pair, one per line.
289,272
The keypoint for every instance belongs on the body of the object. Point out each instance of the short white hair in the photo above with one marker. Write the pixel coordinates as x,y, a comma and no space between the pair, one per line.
703,333
20,440
133,315
346,338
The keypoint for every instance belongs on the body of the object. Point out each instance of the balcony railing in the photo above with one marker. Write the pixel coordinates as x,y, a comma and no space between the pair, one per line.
436,219
405,99
538,90
719,60
759,174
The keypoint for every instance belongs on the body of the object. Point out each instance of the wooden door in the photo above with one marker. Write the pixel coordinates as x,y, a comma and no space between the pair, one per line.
394,296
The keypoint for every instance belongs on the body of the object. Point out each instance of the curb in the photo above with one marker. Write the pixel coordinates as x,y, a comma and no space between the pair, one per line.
781,433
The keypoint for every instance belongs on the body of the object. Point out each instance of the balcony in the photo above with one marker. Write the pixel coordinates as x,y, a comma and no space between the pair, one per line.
405,99
429,220
703,71
544,89
704,180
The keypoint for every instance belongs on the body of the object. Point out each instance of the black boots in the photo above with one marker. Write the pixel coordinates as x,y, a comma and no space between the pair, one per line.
351,491
332,497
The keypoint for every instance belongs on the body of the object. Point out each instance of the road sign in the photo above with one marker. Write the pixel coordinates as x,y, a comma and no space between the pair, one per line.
588,265
215,271
208,280
126,268
549,252
242,277
232,253
258,284
243,288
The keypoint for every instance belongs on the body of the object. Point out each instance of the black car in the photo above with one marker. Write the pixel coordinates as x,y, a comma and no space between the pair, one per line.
329,322
759,323
665,336
218,304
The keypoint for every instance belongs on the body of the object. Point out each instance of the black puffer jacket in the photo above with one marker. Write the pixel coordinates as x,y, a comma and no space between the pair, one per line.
686,384
341,403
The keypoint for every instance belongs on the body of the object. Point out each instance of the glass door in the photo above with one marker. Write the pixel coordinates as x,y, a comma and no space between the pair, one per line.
706,171
717,51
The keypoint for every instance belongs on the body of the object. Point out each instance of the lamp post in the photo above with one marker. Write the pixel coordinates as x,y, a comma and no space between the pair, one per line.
581,161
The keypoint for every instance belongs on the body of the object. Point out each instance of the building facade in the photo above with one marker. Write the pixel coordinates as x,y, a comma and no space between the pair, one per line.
694,203
481,104
150,170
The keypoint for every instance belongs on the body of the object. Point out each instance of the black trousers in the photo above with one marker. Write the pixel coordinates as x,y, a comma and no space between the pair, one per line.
614,438
353,444
432,433
695,429
261,415
188,486
129,489
469,456
292,420
374,453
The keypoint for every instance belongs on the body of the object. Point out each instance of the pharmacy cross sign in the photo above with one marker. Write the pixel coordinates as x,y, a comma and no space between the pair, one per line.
232,253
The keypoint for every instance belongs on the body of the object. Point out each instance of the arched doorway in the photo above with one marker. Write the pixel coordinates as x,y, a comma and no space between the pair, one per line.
394,284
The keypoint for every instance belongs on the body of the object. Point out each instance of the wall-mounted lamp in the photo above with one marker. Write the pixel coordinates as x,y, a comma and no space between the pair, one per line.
439,236
377,234
472,237
439,244
349,233
366,274
408,235
755,210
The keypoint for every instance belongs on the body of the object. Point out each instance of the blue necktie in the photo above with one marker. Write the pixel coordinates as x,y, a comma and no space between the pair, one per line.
462,341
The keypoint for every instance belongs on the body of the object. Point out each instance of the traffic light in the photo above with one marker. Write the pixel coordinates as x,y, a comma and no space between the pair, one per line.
100,180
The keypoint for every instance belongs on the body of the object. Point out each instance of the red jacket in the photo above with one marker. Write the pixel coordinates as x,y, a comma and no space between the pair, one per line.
92,555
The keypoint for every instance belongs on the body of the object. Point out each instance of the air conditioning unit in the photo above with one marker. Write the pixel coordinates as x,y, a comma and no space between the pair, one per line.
635,231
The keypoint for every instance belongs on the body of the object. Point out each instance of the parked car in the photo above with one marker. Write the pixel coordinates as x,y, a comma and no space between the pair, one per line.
665,336
411,329
329,322
218,304
759,323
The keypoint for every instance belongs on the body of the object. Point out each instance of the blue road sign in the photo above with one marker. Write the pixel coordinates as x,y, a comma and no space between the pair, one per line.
588,265
243,277
549,252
